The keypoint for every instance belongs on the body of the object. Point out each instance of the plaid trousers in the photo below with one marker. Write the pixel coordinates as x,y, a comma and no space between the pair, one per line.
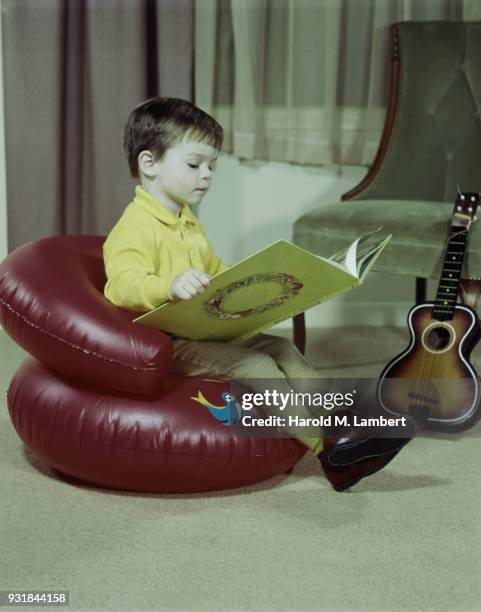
251,362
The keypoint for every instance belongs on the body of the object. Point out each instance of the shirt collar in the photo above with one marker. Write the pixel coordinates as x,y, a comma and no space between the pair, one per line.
149,203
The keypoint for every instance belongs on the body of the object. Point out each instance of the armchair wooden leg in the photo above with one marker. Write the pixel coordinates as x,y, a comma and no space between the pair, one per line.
420,290
300,332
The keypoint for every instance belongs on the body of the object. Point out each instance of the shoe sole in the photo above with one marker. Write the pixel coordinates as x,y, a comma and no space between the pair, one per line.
383,444
351,483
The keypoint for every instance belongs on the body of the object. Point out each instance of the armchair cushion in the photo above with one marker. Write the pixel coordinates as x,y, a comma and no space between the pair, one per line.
52,305
419,233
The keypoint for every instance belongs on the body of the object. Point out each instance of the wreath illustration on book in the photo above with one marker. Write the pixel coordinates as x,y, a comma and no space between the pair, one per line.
290,286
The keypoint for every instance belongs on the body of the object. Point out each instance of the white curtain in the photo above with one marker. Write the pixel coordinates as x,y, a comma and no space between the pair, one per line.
303,81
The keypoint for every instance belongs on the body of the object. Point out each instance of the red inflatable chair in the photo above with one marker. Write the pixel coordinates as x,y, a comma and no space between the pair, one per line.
96,400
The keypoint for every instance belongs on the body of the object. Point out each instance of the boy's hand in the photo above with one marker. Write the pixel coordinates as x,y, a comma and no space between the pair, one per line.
189,283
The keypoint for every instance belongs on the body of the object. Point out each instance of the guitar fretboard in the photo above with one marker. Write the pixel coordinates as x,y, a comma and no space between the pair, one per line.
448,287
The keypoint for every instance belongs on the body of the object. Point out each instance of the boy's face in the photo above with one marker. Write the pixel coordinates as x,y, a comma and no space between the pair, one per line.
184,174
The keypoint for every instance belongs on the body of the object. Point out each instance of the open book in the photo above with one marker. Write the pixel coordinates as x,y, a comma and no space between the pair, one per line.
276,283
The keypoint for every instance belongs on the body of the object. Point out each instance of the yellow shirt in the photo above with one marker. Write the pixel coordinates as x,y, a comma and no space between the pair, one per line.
148,247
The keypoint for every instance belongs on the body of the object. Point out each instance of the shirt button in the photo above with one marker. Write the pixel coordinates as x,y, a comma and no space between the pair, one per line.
191,251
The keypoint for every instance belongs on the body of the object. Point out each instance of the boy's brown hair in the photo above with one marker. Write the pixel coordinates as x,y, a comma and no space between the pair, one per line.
160,123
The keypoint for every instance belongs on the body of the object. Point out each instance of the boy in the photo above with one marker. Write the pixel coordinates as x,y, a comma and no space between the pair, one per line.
158,251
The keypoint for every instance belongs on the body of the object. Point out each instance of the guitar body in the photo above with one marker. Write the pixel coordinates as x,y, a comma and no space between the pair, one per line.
433,380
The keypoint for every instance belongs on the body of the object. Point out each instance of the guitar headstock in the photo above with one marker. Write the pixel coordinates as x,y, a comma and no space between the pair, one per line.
465,209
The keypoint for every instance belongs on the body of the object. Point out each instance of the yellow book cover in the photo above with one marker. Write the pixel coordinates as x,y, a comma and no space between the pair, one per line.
276,283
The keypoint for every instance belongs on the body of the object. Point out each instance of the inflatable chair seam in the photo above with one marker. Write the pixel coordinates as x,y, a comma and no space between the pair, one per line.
20,415
75,346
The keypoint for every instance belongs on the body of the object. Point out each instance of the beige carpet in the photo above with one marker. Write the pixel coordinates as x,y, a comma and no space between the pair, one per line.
407,538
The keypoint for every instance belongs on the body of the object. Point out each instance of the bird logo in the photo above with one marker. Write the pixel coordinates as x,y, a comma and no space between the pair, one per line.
227,414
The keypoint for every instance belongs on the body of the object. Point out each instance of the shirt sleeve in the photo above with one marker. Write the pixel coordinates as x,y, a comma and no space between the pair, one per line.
129,255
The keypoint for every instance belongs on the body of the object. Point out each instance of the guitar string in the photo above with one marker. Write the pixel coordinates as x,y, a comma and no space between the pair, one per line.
427,368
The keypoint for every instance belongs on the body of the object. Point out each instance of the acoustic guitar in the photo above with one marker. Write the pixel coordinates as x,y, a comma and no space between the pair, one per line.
433,380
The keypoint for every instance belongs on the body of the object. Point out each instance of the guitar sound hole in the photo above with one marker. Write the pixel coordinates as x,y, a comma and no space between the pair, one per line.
437,338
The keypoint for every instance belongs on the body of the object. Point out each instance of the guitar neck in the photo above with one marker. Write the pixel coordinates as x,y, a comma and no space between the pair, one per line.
448,287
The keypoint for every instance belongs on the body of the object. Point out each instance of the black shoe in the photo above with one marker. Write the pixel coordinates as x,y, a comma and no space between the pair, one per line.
342,478
351,452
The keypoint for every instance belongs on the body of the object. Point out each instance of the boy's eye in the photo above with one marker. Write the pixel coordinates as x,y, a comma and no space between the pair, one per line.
211,167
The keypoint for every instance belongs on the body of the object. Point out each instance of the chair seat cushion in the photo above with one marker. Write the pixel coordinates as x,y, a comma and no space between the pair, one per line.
419,232
163,442
52,305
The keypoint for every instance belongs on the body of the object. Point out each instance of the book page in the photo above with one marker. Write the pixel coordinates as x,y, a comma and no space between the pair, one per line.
354,259
367,257
350,262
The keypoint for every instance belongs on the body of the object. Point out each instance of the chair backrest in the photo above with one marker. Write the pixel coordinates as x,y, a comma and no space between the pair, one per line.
432,135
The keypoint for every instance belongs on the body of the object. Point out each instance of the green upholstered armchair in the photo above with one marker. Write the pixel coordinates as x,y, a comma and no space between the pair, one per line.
431,143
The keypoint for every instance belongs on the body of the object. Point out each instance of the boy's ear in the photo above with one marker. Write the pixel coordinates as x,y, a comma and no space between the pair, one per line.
145,162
